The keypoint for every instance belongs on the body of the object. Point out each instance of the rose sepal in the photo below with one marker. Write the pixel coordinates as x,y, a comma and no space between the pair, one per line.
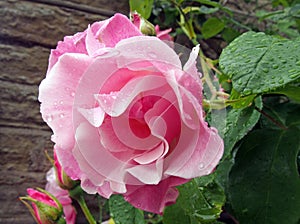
44,208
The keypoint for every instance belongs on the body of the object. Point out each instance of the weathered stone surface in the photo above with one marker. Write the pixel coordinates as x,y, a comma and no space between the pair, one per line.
28,29
43,24
23,65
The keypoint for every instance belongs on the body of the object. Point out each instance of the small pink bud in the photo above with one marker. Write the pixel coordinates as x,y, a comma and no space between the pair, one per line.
64,181
44,207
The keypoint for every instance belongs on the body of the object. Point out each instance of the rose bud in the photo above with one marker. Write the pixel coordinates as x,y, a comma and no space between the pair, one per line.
62,196
142,24
64,181
45,208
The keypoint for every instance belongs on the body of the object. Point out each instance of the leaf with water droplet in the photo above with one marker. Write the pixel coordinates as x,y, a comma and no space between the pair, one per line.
199,201
123,212
238,123
258,76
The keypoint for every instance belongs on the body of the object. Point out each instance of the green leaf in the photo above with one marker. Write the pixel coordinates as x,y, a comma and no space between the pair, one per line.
123,213
258,63
264,184
229,34
142,7
201,10
286,114
199,201
238,123
212,27
291,91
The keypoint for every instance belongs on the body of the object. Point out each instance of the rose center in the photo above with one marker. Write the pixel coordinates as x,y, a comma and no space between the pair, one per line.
136,115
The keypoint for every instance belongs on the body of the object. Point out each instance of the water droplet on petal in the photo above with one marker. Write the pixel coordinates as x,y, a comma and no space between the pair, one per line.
49,118
152,55
201,166
72,94
61,115
61,102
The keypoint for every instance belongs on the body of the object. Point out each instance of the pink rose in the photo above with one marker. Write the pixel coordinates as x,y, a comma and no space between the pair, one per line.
126,115
62,196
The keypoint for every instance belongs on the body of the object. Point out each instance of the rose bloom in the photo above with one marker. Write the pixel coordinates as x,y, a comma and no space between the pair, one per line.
127,116
62,196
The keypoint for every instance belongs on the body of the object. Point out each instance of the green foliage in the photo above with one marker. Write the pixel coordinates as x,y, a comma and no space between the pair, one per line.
238,123
144,7
199,201
123,213
258,63
212,27
264,185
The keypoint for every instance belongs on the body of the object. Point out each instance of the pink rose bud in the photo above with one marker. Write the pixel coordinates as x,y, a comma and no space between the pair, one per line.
142,24
62,196
63,180
45,208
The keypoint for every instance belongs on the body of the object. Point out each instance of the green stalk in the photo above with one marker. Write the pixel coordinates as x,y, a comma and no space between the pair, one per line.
77,194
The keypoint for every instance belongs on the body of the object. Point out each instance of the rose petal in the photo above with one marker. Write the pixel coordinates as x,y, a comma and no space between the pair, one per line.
94,115
68,162
148,173
56,94
150,156
94,156
154,198
116,29
209,151
145,48
92,44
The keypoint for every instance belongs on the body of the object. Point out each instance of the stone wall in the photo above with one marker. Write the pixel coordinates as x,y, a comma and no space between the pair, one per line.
28,30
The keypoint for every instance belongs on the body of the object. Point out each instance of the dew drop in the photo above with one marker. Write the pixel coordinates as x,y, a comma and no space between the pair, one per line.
292,70
298,63
138,205
152,55
72,94
61,115
247,91
49,118
273,77
275,66
283,61
265,70
61,102
294,75
280,81
201,166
